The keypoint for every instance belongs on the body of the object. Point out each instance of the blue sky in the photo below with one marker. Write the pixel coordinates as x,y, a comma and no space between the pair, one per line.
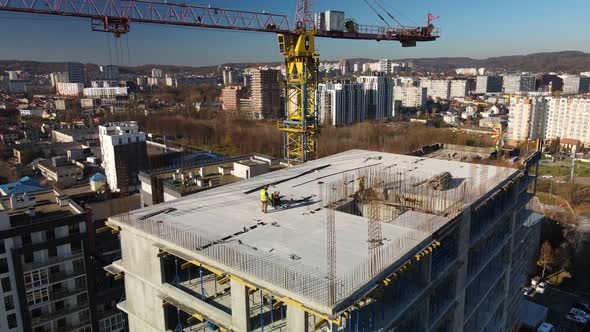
472,28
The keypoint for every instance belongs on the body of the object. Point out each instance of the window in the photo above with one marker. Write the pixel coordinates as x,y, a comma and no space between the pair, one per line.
11,321
54,270
61,323
26,239
80,282
74,228
29,257
52,252
6,287
112,323
50,234
82,299
76,246
8,302
2,247
38,296
78,264
35,278
3,265
60,305
56,287
84,316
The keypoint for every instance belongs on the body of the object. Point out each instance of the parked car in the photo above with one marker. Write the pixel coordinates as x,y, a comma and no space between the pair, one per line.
547,177
580,313
535,281
582,306
541,287
546,327
528,291
576,319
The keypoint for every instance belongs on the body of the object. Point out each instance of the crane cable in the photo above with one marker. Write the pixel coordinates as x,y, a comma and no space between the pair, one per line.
376,12
400,13
388,13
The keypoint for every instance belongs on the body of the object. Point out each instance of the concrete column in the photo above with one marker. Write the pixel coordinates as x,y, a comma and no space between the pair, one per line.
464,241
240,306
297,319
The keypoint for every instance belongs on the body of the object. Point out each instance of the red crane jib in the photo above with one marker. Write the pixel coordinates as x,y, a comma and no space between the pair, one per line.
115,16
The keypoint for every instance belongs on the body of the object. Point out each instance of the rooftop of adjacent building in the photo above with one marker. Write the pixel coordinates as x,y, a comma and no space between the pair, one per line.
23,185
293,237
46,205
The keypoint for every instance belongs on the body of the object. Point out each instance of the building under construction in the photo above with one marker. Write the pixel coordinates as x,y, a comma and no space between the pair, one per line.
361,240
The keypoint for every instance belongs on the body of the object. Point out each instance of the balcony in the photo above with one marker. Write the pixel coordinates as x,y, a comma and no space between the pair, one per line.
53,261
63,312
55,278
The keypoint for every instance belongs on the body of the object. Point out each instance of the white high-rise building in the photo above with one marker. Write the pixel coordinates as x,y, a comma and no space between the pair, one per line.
437,88
109,72
410,96
385,66
157,73
69,89
573,85
568,118
58,78
105,92
461,88
518,83
13,75
124,154
488,84
526,119
378,95
342,103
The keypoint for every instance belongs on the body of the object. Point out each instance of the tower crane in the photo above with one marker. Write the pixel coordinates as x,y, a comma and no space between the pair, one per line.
296,44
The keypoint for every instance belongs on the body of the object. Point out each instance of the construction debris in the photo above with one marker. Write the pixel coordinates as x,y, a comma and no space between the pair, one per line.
441,181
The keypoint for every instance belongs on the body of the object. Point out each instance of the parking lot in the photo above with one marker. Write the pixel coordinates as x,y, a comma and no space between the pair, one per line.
559,304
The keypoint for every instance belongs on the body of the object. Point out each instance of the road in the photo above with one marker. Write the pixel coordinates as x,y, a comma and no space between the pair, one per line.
559,304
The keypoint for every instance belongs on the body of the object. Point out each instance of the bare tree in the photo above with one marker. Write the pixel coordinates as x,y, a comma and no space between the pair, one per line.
546,259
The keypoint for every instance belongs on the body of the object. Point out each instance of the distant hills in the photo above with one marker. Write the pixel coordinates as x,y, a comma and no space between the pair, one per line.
566,61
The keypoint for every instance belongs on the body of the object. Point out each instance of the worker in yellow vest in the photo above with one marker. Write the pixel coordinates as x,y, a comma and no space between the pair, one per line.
264,198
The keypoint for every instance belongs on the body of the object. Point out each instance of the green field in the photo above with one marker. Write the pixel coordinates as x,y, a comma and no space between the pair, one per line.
561,170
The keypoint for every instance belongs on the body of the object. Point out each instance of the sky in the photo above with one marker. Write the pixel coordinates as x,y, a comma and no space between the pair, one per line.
469,28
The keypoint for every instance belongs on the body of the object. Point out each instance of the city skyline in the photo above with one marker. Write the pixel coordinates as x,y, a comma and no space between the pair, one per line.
148,44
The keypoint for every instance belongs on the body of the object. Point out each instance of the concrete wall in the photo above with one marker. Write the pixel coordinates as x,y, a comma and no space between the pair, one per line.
143,273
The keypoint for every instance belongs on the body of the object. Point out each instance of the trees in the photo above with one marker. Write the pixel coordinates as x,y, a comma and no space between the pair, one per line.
546,259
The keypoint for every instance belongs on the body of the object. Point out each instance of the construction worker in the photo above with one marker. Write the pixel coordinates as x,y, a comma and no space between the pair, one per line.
276,199
264,198
361,184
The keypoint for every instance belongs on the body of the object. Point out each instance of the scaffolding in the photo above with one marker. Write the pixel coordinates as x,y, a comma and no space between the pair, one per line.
388,194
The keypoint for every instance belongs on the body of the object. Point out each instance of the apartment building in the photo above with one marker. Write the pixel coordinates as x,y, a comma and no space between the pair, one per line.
461,88
124,154
437,88
46,269
410,95
526,118
342,103
573,85
378,91
518,83
266,93
488,84
567,118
